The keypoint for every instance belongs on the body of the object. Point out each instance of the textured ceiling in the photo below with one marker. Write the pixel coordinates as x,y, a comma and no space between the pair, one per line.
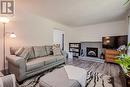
80,12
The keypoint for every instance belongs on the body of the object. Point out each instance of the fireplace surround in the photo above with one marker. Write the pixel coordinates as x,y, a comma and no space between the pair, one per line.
91,49
92,52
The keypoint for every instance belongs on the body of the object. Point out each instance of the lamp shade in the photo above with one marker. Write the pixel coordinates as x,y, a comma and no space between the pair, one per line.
12,35
4,20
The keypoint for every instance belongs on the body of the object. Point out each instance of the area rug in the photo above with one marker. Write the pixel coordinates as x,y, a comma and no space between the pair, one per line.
33,81
94,79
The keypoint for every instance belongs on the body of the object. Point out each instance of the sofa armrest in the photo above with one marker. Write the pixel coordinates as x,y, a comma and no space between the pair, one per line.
65,54
16,61
17,66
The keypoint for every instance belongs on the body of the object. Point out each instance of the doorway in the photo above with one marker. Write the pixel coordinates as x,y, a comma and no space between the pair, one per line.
58,37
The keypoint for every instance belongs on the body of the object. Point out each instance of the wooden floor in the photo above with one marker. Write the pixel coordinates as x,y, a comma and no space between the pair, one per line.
105,68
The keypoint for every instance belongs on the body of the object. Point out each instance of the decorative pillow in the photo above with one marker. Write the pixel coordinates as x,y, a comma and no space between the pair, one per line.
56,50
13,50
19,51
39,51
27,54
49,50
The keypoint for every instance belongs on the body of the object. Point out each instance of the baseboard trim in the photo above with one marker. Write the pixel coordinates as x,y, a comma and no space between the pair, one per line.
92,59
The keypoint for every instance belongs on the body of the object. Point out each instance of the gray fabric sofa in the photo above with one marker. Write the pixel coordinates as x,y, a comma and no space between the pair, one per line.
23,69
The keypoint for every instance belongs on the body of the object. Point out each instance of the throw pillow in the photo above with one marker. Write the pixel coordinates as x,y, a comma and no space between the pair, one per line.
56,50
13,50
19,51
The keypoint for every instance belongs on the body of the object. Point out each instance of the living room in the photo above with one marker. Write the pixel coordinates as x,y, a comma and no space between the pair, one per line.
33,22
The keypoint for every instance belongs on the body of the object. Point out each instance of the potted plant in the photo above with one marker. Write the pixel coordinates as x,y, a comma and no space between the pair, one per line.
127,1
124,59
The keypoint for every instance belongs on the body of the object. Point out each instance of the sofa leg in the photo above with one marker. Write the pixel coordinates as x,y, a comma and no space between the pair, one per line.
20,82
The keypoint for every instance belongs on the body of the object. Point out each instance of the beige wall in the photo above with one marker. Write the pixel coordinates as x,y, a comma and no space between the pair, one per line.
96,32
30,28
31,31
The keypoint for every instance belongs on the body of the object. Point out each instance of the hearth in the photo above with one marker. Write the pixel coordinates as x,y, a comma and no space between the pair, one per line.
92,52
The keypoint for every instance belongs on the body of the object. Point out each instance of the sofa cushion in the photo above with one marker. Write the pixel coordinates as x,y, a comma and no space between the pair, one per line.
49,50
56,50
35,63
49,59
31,54
40,62
39,51
59,57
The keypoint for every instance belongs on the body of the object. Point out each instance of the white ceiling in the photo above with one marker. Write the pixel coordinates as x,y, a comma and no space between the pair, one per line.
81,12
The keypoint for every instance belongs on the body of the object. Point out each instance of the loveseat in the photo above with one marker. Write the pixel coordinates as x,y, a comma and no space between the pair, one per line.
28,61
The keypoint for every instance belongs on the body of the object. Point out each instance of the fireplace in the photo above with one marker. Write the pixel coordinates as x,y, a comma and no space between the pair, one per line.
92,52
